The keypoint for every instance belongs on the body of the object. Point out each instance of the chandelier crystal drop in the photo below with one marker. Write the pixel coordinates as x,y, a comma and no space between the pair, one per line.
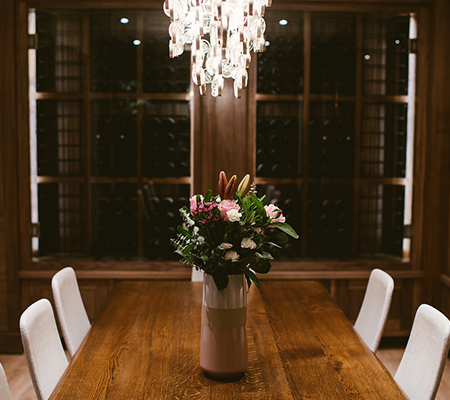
221,35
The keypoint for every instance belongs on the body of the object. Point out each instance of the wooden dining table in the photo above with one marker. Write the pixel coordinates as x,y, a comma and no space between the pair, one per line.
146,345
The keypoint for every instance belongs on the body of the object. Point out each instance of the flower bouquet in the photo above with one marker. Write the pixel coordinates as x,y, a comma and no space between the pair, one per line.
226,234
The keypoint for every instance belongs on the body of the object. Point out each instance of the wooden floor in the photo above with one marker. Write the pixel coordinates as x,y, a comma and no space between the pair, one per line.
22,389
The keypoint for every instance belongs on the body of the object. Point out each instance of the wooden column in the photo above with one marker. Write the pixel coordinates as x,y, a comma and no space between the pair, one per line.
435,253
9,182
223,136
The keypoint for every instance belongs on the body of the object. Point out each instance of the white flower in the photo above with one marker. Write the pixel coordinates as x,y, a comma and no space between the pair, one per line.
248,243
234,215
232,255
195,231
201,239
226,246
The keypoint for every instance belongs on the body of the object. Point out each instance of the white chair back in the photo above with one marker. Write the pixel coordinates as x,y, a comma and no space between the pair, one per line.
197,275
5,393
420,370
70,309
43,349
375,308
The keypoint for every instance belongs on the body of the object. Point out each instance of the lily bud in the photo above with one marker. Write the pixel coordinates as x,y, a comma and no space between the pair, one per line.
230,190
223,181
243,186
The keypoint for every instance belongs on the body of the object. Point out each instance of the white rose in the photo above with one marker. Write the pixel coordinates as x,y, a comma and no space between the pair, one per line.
248,243
232,255
226,246
234,215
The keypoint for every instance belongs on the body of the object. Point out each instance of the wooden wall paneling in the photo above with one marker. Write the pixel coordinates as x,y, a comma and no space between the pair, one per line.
95,295
435,255
9,218
394,321
93,292
220,140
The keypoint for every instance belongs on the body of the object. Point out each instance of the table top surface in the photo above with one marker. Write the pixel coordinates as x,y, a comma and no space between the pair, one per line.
146,345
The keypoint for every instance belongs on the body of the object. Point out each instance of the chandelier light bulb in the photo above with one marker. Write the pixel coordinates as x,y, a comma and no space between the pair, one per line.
221,35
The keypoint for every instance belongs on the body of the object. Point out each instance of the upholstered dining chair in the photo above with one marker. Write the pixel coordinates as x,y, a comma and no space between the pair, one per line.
70,309
375,308
420,370
43,349
196,275
5,393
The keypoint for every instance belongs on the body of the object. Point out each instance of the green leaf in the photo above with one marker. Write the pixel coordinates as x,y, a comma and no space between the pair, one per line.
274,245
249,282
247,202
184,232
208,196
282,238
267,255
261,265
221,280
286,228
258,204
249,274
188,249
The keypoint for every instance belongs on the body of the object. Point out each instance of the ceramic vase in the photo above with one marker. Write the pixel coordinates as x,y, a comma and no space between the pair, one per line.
223,347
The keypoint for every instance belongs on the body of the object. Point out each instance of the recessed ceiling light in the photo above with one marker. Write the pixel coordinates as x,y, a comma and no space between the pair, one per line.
283,22
267,43
124,20
136,42
367,57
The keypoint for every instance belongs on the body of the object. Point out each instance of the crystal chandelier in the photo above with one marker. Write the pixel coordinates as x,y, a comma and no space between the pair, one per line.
222,33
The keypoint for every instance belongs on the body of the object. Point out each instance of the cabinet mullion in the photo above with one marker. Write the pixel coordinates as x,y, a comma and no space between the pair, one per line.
357,142
87,133
305,133
139,133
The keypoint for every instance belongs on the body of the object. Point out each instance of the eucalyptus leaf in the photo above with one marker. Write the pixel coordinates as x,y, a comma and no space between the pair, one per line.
286,228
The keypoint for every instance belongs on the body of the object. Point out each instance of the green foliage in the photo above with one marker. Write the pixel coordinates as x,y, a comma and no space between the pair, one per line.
223,244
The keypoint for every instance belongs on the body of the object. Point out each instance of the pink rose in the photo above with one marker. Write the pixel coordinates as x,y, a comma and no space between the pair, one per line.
272,211
228,205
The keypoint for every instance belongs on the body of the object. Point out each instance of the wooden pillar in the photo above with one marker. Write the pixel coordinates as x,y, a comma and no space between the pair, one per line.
9,210
223,136
435,253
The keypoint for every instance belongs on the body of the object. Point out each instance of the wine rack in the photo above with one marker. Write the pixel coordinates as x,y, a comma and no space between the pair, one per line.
385,66
280,70
113,135
278,139
342,135
333,53
285,197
